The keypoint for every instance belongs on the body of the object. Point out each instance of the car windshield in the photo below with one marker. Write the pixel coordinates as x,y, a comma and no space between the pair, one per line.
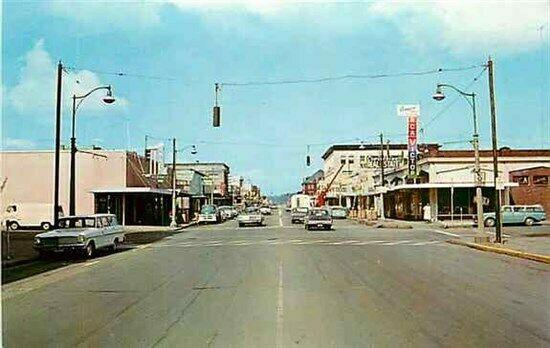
77,222
251,210
208,209
301,210
318,213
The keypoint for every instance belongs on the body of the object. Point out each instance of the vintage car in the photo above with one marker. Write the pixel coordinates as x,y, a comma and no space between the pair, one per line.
517,214
265,210
85,233
250,216
338,212
298,215
318,218
210,214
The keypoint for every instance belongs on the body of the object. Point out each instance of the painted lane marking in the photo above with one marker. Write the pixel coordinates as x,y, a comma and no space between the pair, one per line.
88,264
280,308
445,233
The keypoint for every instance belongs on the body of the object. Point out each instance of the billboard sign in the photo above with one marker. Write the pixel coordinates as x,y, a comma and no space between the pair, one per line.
408,110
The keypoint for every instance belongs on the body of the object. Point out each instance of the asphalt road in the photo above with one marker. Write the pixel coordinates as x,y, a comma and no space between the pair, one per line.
282,286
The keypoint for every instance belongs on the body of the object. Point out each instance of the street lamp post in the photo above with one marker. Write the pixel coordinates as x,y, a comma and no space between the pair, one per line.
438,95
107,99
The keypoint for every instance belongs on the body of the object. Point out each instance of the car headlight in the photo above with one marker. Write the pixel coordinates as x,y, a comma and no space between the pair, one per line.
81,238
37,240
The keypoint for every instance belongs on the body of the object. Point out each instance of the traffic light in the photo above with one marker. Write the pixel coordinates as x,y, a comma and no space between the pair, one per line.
308,160
216,116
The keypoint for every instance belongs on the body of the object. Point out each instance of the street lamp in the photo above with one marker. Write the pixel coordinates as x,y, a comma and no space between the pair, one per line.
173,222
107,99
439,95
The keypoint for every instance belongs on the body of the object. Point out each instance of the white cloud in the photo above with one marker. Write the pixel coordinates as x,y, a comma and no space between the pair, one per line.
15,143
468,26
106,15
35,91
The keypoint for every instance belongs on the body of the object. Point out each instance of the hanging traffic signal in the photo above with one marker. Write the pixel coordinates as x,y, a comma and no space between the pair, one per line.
216,111
308,160
216,116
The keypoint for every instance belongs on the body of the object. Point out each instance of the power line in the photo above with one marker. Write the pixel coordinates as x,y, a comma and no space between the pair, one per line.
350,76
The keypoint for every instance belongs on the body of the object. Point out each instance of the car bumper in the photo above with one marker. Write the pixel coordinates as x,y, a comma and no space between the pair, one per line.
320,224
298,219
250,222
60,248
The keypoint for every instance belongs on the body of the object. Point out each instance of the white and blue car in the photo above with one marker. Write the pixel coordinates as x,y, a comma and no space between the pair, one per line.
85,234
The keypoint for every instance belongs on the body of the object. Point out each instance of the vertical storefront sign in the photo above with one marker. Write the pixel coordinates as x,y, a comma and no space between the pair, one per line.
412,112
412,144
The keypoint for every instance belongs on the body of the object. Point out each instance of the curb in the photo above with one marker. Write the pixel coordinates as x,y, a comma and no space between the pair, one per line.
504,251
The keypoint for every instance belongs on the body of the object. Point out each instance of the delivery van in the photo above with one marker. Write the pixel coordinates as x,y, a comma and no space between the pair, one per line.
17,215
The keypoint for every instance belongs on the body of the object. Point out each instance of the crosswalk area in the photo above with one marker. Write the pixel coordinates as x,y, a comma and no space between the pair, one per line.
299,242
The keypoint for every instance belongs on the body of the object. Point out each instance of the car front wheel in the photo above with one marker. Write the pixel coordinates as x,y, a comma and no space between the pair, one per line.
529,222
46,226
90,250
14,225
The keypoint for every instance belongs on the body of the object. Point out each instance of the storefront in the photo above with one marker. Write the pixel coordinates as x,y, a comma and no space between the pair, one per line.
135,205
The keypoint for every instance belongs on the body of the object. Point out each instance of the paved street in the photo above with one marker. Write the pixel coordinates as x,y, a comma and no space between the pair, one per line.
282,286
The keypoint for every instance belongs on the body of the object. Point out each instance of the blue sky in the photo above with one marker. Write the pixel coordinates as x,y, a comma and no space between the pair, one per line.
174,51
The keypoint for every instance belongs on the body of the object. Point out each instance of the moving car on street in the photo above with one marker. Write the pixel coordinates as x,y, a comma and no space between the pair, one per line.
318,218
265,210
226,212
85,234
517,214
298,215
209,214
250,216
338,212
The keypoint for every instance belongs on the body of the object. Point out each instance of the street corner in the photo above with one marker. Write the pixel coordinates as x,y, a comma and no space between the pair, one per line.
501,249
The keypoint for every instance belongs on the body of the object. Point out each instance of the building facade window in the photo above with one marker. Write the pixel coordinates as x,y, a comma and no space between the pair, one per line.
522,180
540,180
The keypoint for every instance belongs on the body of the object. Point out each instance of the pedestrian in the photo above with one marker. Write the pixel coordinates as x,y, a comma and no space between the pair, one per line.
427,212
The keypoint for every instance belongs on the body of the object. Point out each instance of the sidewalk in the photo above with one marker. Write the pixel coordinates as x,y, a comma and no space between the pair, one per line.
518,241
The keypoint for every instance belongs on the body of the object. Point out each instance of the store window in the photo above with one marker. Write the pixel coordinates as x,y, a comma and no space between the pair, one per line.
522,180
540,180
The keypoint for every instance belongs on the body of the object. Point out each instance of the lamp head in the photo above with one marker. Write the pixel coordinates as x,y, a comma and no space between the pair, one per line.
109,99
438,95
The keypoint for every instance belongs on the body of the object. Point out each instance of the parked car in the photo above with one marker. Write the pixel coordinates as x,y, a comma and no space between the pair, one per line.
265,210
318,218
338,212
209,214
298,215
251,216
85,234
517,214
19,215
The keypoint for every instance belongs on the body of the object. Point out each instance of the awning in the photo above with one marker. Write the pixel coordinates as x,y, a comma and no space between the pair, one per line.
133,190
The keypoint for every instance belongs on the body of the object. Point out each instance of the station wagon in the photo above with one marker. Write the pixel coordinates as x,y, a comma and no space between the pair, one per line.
86,234
517,214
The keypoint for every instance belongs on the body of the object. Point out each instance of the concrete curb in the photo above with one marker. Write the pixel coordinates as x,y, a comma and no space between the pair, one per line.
505,251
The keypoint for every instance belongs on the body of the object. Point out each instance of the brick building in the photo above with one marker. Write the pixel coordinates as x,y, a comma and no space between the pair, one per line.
533,186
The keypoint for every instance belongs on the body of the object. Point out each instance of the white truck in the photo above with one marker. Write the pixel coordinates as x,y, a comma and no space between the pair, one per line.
301,201
18,215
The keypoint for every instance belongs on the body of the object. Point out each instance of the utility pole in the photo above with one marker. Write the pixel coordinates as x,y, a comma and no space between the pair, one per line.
481,237
72,184
173,223
57,145
382,176
498,221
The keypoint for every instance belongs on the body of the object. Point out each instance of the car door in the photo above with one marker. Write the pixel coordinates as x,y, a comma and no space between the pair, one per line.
507,215
519,214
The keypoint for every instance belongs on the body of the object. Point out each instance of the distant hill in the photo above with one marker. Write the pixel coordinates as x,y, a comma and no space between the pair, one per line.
282,198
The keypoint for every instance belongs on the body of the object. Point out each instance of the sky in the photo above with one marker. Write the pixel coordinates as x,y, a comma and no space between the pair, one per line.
162,59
